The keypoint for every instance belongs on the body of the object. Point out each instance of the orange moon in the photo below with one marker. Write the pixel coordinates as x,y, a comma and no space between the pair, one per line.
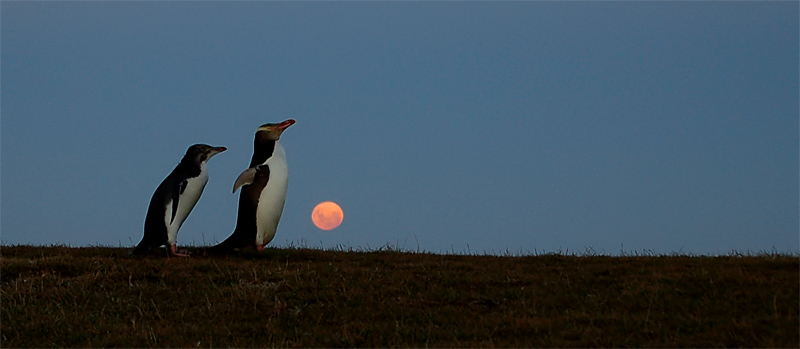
327,215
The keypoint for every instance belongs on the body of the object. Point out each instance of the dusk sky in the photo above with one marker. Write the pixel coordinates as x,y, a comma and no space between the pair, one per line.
452,127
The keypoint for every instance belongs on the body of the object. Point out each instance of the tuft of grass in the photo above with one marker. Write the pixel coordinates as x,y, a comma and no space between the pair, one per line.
60,296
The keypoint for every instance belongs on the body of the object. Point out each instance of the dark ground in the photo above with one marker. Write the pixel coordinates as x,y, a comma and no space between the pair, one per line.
100,297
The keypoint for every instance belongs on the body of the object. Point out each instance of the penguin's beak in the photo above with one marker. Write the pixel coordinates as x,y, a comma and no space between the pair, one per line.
285,124
216,150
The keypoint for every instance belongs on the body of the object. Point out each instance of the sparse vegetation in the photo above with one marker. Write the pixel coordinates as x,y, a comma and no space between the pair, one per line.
298,297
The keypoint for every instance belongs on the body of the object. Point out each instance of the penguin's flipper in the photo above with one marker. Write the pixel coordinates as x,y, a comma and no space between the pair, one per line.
176,196
245,178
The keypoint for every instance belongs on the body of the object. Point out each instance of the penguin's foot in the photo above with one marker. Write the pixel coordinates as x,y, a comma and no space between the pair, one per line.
173,251
260,248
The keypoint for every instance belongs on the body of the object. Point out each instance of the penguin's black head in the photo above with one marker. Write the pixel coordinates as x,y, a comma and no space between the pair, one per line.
199,153
272,132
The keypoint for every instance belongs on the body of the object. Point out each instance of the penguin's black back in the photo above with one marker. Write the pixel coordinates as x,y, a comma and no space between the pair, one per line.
262,150
244,234
155,229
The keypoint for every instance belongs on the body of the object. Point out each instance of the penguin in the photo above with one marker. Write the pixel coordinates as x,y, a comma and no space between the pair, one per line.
174,199
263,191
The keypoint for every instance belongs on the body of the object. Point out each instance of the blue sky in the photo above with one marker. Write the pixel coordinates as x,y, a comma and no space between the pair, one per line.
441,126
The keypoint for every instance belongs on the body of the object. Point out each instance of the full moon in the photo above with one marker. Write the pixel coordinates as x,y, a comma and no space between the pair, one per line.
327,215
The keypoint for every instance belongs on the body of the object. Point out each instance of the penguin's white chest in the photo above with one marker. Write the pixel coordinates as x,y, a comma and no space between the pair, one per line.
186,202
273,196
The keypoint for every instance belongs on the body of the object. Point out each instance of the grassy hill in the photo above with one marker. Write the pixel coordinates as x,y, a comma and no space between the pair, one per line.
100,297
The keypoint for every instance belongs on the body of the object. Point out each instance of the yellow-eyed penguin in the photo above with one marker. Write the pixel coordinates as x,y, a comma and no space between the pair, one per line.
263,193
175,198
